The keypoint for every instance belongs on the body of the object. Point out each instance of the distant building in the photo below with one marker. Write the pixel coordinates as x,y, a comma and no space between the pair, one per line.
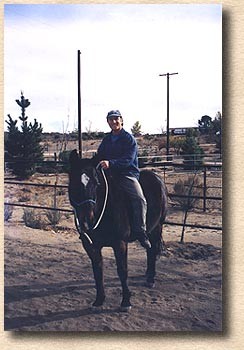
180,131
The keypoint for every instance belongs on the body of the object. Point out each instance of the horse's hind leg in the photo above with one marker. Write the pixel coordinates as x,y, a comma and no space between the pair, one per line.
156,242
121,252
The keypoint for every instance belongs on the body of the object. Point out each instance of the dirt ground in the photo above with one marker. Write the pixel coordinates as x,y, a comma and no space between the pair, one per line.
49,283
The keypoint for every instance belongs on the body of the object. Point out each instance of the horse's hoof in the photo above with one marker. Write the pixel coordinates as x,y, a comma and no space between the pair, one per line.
125,308
99,302
150,285
97,306
97,309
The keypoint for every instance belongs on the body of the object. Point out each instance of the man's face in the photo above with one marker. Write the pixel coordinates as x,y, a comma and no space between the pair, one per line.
115,123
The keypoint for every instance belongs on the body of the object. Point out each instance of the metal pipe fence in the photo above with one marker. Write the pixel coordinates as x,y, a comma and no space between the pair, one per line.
203,197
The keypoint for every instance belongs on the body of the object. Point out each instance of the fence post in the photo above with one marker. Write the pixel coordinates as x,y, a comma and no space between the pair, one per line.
204,187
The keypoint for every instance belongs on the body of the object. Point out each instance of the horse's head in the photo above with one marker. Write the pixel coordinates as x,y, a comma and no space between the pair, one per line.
83,183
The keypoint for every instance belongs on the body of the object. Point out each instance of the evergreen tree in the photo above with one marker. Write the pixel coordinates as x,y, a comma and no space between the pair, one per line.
191,151
23,149
204,124
217,131
136,129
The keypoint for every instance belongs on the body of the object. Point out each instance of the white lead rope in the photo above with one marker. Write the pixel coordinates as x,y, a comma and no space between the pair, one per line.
102,212
83,232
105,199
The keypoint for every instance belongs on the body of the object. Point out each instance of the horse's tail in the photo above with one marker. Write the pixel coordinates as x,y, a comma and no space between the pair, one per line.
164,201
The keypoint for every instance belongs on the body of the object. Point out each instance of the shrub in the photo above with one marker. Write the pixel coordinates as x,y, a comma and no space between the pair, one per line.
48,168
61,192
64,157
142,161
67,215
190,186
148,137
33,219
156,159
8,212
177,143
24,198
53,216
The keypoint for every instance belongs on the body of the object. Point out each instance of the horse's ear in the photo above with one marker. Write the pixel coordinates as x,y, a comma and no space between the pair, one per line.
79,163
73,157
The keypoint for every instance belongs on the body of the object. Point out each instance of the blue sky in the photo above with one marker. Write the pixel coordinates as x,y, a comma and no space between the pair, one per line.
124,48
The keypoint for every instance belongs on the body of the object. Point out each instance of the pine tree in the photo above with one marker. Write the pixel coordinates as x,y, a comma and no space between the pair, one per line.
217,131
136,129
23,148
191,151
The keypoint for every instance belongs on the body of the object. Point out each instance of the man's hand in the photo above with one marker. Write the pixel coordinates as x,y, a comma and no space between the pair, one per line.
104,164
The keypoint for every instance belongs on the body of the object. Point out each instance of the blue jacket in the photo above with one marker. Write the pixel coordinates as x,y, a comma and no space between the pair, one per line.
121,151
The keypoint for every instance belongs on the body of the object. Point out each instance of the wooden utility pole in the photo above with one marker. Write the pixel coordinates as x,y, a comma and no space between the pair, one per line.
79,108
167,75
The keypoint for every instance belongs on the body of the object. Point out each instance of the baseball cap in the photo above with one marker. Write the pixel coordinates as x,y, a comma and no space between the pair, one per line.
114,113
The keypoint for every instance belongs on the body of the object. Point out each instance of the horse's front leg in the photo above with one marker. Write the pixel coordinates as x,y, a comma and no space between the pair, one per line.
95,255
121,252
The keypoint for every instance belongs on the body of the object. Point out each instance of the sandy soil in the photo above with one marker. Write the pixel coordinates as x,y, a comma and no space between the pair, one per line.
49,284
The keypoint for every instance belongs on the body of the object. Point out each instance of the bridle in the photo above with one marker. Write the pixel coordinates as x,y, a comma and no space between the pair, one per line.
89,200
79,204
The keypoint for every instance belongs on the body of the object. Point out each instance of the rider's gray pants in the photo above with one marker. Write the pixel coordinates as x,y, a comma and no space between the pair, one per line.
135,194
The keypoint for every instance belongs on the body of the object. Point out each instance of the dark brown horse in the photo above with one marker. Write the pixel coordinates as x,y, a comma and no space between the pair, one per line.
102,217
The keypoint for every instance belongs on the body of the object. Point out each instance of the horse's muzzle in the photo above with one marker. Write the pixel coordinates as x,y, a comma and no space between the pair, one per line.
86,220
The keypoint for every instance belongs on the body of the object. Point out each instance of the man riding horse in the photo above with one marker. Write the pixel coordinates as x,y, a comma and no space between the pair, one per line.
111,211
117,154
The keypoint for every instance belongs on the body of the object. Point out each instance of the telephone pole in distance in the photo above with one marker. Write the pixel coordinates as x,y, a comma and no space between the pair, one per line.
167,75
